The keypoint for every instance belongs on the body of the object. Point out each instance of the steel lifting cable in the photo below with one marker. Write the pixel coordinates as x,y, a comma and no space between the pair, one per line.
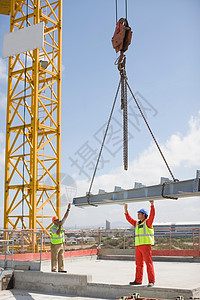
105,134
141,112
24,127
126,10
116,10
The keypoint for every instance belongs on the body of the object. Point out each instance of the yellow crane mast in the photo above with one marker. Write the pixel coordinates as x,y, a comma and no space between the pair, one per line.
33,129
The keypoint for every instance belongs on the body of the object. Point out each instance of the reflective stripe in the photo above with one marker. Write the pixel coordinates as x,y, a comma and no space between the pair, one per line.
55,238
144,229
144,235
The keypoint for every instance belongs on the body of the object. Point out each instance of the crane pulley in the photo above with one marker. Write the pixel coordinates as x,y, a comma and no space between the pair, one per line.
122,36
120,41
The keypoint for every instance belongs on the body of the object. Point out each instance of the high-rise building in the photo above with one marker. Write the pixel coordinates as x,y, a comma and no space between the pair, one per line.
107,224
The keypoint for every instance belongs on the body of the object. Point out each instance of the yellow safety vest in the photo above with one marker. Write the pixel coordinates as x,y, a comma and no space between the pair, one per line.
55,238
143,234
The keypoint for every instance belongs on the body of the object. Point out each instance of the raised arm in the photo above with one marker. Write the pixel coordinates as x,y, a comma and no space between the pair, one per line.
128,217
66,214
151,215
59,229
125,208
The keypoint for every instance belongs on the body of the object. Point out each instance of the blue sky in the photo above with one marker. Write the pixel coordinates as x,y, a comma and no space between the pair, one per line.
163,69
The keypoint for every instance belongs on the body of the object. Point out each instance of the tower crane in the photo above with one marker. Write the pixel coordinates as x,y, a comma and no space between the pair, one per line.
33,125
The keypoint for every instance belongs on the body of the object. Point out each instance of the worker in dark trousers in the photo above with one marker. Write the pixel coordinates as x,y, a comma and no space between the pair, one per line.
144,238
57,242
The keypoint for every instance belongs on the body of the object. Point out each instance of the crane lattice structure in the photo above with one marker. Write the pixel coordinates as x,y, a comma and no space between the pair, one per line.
33,130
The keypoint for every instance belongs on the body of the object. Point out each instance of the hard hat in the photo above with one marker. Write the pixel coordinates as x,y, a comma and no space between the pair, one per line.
54,218
142,210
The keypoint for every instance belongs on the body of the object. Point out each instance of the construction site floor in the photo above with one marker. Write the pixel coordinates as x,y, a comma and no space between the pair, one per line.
27,295
169,275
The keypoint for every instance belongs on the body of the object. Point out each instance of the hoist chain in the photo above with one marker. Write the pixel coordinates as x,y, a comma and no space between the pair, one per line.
122,70
125,128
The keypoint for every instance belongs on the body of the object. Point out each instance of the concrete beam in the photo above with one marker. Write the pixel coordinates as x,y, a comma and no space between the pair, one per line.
78,285
51,282
113,291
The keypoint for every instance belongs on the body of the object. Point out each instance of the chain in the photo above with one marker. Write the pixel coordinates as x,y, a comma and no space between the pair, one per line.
121,67
125,127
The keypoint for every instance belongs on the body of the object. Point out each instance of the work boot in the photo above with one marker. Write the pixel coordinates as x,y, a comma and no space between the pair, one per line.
151,284
134,283
62,271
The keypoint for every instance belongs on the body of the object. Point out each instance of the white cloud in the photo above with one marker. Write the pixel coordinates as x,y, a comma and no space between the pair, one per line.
185,150
3,78
1,137
63,68
2,150
182,154
3,69
1,212
3,100
2,163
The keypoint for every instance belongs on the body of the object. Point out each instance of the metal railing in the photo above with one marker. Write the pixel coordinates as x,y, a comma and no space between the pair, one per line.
6,251
165,238
39,242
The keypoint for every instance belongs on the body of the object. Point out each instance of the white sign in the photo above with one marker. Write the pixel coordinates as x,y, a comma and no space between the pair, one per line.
23,40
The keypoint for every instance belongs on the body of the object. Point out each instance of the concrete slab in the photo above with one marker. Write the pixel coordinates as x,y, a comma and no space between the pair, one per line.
77,285
51,282
17,294
111,278
88,278
168,274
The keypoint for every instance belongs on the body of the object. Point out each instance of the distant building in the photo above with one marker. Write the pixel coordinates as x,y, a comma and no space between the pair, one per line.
107,224
177,229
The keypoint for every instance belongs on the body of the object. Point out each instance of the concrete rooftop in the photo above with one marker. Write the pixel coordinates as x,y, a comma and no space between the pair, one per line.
168,274
27,295
114,274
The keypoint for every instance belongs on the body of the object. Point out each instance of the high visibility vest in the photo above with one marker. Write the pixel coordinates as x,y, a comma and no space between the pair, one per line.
143,234
55,238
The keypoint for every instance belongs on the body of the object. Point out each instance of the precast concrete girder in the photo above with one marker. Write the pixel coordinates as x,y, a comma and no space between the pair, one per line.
166,189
